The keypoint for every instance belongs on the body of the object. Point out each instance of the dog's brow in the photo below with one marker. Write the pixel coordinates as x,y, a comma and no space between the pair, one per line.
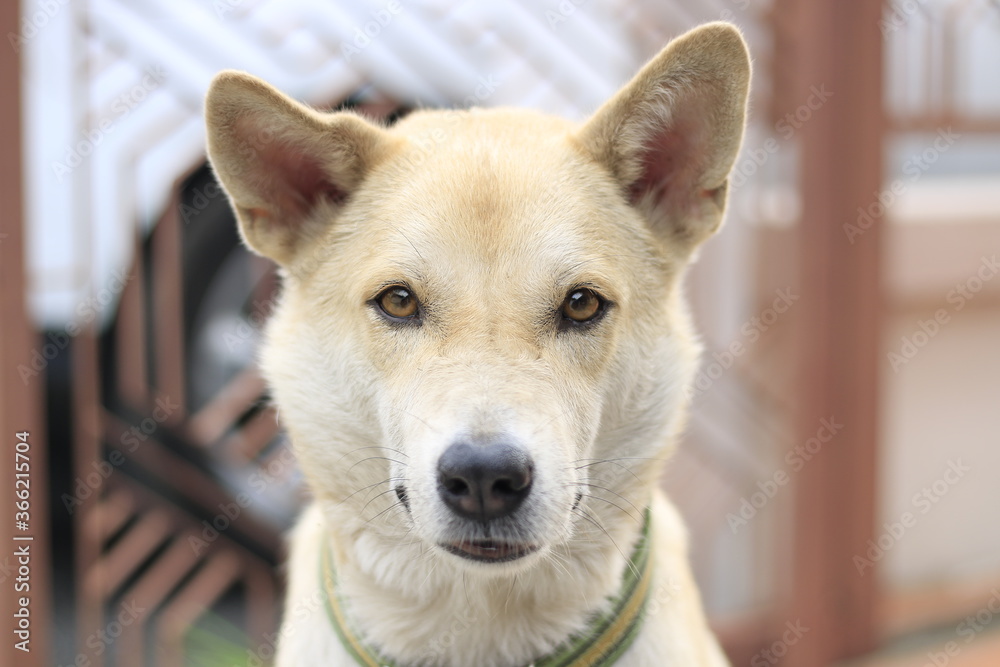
574,273
400,232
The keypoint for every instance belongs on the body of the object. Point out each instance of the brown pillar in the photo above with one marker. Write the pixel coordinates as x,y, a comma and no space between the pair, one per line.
20,402
838,47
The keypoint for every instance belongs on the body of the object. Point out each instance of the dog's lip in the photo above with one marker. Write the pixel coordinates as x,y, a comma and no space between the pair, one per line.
489,551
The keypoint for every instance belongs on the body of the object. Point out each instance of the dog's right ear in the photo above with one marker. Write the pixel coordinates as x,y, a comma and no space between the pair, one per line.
671,135
286,167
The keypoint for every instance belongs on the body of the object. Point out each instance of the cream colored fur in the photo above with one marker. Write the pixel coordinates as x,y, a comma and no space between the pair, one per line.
490,217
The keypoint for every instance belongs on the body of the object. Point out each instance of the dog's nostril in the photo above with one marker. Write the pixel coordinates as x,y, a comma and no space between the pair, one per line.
503,486
512,486
456,486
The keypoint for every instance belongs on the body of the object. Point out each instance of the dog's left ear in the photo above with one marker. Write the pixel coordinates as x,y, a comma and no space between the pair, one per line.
671,135
287,168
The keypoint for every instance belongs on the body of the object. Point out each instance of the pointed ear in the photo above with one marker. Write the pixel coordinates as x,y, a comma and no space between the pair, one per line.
287,168
671,135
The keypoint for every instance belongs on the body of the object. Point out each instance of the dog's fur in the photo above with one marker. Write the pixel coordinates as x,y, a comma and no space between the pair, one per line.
490,217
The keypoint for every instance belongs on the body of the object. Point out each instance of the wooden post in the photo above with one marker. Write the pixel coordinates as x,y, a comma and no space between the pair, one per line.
838,46
20,400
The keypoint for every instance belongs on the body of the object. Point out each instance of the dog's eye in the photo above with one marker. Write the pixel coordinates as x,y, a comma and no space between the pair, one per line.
582,305
398,302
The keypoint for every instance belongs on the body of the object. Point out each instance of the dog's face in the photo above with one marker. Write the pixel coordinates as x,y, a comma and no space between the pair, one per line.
483,316
481,325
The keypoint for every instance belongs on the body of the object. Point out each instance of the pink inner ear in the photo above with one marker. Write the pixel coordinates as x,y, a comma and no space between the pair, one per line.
291,179
674,158
298,182
670,168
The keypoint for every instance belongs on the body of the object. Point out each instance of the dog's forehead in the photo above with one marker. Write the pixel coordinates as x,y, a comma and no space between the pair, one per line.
505,185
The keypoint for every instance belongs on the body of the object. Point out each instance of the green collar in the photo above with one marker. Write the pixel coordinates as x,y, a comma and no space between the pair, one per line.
606,638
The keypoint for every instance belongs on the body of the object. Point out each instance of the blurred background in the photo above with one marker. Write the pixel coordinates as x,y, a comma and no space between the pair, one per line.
841,471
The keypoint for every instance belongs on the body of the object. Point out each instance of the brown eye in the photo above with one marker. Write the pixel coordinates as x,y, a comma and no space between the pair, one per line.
582,305
398,302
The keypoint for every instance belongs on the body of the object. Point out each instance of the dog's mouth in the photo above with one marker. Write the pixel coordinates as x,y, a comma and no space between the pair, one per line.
489,551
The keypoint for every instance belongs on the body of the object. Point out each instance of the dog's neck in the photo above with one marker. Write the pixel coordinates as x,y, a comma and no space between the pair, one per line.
402,595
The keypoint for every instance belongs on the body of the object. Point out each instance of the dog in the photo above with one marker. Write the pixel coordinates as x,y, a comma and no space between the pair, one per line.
481,356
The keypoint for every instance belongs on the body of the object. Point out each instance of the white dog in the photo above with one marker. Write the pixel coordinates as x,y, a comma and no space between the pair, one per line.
480,357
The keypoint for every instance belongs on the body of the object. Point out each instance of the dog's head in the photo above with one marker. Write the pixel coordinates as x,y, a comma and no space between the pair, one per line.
481,339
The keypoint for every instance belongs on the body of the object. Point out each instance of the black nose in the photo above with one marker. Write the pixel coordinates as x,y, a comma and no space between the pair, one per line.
484,482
